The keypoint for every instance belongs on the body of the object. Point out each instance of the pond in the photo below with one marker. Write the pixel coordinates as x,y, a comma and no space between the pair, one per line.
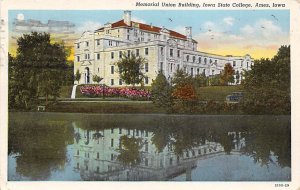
130,147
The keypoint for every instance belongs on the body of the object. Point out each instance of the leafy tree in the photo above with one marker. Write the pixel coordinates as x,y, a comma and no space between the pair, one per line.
36,70
130,151
161,91
181,78
267,85
130,69
215,80
227,75
200,80
77,76
185,92
97,79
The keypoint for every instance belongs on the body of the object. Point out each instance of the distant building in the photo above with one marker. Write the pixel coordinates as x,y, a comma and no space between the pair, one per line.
165,50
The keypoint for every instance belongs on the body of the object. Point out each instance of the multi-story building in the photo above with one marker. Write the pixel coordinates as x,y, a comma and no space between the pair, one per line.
165,50
96,155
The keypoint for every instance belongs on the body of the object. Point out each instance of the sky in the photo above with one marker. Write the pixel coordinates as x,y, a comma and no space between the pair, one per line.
232,32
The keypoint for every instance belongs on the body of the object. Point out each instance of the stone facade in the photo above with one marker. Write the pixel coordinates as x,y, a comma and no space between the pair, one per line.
165,50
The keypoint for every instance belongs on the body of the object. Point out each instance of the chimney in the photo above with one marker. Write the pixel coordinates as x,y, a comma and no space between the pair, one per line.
188,32
127,17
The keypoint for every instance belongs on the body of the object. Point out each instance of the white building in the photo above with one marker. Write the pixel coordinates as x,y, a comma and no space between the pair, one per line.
165,50
96,152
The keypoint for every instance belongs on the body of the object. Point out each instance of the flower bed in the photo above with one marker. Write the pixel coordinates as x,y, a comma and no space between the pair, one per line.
131,93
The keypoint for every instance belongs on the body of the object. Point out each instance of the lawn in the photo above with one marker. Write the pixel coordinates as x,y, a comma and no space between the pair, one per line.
65,91
105,107
216,93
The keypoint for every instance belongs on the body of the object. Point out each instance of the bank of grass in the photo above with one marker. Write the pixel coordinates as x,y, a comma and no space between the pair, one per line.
65,91
105,107
216,93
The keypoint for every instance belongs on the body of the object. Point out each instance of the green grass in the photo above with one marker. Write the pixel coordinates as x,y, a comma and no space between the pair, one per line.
216,93
105,107
65,91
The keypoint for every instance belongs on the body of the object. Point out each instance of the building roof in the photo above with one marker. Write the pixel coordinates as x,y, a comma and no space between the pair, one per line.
147,27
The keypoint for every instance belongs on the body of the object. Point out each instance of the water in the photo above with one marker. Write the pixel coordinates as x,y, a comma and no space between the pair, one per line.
104,147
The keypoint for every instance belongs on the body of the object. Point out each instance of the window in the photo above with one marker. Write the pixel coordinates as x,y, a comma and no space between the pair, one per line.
98,169
117,43
78,58
234,63
87,56
137,132
205,60
98,155
120,82
98,42
120,131
178,53
146,146
194,59
146,80
86,167
77,165
78,45
146,51
213,72
241,63
171,161
112,142
210,61
110,43
192,71
171,67
161,66
161,51
137,52
120,54
187,58
146,67
199,59
193,153
111,131
127,37
128,131
198,71
111,157
177,66
78,152
171,52
199,151
247,64
146,161
146,135
128,53
112,55
112,69
87,44
111,82
216,61
98,56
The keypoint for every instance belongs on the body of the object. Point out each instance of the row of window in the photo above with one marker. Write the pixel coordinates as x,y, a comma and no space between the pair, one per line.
129,52
112,81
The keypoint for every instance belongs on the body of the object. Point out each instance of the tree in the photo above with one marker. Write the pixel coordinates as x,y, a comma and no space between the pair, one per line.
97,79
237,77
130,69
161,92
267,85
36,70
181,78
77,76
227,74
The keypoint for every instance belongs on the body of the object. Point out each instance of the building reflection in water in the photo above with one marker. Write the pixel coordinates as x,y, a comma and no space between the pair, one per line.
97,155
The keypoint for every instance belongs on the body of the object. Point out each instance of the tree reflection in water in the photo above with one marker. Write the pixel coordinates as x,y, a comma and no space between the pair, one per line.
40,148
144,148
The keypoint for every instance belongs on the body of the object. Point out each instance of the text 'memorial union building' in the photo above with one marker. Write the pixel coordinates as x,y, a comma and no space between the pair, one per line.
96,53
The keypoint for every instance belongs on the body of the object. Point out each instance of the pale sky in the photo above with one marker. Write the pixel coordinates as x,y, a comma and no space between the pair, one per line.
232,32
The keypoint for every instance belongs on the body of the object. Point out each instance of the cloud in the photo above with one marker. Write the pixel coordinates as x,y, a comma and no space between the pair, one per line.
136,19
228,20
89,26
261,35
